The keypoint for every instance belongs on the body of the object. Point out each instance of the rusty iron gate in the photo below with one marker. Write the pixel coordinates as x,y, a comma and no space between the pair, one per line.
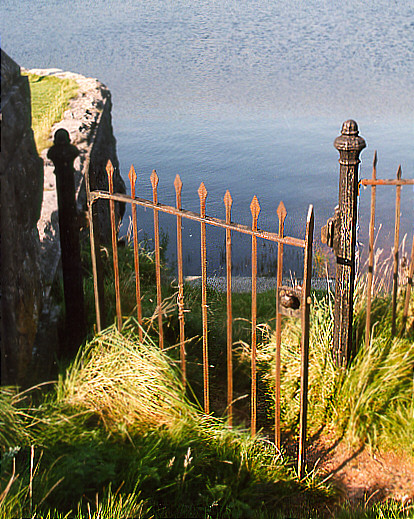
373,182
290,302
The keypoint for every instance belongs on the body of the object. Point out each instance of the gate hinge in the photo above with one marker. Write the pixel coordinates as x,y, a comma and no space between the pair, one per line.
330,231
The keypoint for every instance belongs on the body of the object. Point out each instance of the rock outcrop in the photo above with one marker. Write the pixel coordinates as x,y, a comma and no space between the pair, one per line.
30,250
88,120
21,173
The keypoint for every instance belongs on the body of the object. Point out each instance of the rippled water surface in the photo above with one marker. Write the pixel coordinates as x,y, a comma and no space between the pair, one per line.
243,95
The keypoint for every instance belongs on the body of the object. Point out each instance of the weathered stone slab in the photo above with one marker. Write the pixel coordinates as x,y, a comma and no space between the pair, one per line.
21,172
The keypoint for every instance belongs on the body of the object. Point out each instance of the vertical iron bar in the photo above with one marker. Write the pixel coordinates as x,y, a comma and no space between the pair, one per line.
371,253
94,268
255,210
396,247
132,179
408,292
202,193
305,309
154,183
94,241
281,213
178,187
228,203
110,173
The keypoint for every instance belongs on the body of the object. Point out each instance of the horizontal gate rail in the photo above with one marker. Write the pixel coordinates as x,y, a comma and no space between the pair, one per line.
387,182
120,197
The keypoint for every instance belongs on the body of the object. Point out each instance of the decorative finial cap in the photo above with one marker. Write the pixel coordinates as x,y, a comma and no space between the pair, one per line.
349,142
349,127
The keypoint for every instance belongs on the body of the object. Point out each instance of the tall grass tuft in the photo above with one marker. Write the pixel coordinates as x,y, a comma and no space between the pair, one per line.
12,420
388,510
371,401
130,385
376,402
120,419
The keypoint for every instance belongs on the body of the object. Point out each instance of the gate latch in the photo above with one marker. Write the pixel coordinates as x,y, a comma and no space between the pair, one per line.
330,231
289,301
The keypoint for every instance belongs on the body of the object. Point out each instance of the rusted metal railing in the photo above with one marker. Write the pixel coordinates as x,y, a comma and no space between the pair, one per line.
255,210
154,183
398,182
281,213
290,301
178,187
228,203
110,171
132,179
202,193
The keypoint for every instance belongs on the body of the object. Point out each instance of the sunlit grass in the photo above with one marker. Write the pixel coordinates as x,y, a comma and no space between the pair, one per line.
388,510
50,96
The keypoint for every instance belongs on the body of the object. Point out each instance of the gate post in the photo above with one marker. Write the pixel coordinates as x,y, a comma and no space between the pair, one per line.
349,144
62,154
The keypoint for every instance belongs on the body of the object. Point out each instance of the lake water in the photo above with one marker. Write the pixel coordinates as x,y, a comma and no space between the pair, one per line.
244,95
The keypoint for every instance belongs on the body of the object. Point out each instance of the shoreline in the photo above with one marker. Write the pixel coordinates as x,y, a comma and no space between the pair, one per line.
243,284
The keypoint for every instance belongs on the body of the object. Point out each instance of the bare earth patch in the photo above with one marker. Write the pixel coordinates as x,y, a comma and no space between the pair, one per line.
363,477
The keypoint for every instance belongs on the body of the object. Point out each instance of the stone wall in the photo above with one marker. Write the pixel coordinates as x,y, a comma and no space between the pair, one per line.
21,173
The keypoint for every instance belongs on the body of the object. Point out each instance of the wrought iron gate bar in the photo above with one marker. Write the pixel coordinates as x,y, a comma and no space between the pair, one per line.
178,187
371,252
202,193
255,210
395,252
132,179
228,203
154,183
281,213
304,368
110,173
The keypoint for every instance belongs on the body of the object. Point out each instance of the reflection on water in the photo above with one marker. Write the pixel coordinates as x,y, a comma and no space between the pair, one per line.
243,95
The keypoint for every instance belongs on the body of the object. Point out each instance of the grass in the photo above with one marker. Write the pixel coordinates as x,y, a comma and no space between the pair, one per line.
119,436
119,432
389,510
371,402
50,97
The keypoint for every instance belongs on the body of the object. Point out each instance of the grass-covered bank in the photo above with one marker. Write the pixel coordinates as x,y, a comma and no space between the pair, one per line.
50,96
118,433
117,437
